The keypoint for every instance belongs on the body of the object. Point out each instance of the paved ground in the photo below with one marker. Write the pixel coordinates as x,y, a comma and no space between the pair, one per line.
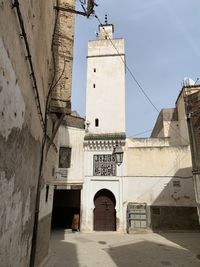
123,250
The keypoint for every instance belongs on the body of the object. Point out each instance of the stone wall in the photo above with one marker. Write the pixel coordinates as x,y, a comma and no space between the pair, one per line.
63,47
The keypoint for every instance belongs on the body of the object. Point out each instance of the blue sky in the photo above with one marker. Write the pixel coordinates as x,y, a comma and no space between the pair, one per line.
162,40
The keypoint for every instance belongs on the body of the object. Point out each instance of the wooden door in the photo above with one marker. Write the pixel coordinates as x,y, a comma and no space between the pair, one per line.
104,212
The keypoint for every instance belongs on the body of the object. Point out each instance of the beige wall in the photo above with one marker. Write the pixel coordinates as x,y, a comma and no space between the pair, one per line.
183,128
156,159
152,170
71,137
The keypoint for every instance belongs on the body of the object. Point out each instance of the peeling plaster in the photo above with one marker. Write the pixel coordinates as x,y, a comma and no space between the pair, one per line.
13,219
12,106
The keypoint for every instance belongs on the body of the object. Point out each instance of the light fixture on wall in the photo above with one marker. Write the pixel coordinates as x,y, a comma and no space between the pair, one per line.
118,154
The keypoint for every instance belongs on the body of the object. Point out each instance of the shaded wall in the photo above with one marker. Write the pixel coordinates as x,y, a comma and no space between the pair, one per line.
160,175
20,128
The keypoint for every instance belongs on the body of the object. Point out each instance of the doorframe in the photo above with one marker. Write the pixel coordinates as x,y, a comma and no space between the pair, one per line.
113,199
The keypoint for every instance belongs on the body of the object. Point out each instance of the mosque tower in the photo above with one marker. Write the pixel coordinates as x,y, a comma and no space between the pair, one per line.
105,97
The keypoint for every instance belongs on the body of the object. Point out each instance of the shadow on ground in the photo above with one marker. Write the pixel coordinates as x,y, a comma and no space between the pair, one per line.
62,253
150,254
191,241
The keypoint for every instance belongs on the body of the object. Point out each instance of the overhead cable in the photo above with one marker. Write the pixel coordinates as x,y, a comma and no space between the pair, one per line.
136,80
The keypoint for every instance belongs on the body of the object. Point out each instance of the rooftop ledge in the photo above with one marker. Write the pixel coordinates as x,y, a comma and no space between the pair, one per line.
105,136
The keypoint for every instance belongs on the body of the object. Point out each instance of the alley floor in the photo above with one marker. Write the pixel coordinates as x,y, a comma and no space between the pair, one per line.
108,249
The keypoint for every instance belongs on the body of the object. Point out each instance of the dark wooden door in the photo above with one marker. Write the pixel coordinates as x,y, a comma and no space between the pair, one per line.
104,212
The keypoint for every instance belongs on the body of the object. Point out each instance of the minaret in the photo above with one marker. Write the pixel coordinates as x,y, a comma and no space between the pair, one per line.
105,98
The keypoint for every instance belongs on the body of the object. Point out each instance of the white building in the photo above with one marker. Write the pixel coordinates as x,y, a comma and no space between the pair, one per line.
105,119
69,172
153,187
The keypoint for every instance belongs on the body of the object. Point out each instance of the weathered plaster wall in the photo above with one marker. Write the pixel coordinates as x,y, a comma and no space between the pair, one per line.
152,170
44,228
14,116
72,137
159,191
160,175
20,128
171,130
182,120
167,126
60,102
155,159
17,190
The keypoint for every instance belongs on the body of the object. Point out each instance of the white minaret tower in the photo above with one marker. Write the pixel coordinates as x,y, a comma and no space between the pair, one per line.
105,98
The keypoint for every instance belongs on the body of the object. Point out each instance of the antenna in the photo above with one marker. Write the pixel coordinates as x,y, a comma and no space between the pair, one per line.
196,81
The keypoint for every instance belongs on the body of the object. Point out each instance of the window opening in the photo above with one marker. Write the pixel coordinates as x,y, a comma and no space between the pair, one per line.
64,157
96,122
176,184
94,85
156,210
47,193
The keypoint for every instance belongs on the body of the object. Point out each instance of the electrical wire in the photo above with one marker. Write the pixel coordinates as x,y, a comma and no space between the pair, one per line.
29,58
45,137
145,94
136,80
128,69
53,84
147,131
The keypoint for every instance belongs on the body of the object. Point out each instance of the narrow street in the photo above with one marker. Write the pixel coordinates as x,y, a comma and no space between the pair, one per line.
123,250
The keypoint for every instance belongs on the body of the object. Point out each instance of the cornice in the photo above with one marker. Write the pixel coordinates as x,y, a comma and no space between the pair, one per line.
103,144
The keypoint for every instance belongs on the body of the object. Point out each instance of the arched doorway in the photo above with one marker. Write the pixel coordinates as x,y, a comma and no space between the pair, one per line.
104,211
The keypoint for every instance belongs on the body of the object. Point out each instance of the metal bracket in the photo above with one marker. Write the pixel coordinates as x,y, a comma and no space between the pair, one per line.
71,10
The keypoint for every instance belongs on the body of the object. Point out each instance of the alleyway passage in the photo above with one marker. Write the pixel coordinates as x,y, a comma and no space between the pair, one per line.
123,250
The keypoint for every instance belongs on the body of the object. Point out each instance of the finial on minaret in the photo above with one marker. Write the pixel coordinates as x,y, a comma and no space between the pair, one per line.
106,19
106,30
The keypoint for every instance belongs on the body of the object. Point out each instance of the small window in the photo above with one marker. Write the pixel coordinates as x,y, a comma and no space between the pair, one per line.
155,210
176,184
96,122
95,70
64,157
47,193
94,85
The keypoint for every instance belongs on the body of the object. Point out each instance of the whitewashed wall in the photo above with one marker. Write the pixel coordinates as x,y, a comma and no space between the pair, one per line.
92,184
73,138
107,100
